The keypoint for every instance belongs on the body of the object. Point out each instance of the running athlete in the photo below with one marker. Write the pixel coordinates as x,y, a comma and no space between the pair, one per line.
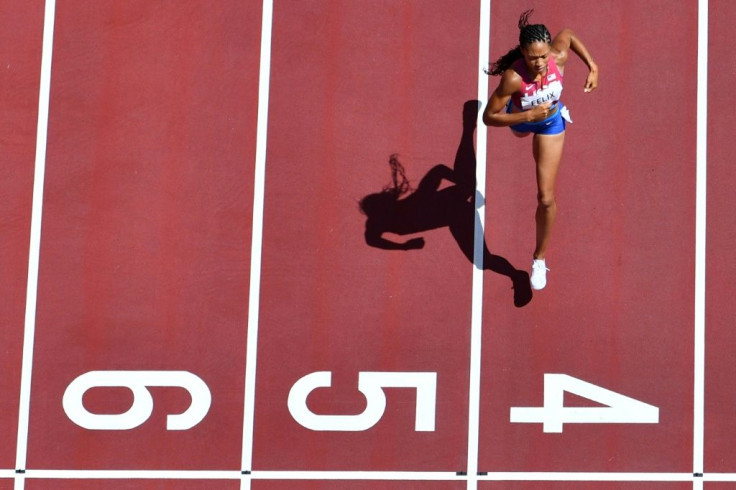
527,100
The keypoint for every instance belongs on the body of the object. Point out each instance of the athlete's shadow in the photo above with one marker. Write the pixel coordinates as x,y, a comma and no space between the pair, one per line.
400,210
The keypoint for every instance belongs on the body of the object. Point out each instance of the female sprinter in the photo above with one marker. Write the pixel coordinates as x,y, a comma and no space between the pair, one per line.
527,100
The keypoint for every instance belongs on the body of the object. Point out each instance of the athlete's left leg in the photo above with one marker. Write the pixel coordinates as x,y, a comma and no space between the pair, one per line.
547,155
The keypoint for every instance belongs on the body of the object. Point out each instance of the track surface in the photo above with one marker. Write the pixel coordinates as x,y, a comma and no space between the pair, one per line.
151,241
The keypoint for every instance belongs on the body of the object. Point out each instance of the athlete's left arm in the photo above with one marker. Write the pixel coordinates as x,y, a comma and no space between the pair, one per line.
566,41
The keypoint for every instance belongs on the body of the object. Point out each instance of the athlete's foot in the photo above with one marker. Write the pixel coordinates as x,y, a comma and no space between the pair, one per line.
522,289
539,274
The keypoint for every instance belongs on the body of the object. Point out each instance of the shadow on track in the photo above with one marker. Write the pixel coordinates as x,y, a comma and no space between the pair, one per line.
401,210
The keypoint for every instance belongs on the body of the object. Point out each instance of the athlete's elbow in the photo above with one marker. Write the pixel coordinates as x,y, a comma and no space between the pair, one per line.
492,120
489,119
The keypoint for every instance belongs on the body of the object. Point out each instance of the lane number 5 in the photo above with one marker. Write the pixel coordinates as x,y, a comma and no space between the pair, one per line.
371,384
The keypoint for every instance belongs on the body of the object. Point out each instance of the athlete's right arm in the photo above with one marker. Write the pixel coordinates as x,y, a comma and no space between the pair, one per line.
495,113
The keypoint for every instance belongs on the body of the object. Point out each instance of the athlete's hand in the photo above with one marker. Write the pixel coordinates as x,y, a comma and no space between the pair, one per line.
591,83
539,112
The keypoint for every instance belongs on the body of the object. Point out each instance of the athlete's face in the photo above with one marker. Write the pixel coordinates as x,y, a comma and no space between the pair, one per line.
536,56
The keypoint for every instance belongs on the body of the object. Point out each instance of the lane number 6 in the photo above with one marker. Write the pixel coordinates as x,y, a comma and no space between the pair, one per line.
142,407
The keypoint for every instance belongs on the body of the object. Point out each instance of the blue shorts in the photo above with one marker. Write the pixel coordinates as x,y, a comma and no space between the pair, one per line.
554,124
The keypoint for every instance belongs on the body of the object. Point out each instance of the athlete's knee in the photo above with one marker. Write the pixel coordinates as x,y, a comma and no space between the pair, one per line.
546,199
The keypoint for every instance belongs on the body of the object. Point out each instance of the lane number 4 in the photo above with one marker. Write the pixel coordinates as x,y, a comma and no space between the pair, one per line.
616,409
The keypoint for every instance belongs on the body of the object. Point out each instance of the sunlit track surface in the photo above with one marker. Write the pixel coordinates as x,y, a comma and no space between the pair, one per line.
185,178
20,48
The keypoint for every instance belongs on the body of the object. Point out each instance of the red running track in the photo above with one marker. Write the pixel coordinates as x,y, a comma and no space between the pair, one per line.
20,48
147,237
619,309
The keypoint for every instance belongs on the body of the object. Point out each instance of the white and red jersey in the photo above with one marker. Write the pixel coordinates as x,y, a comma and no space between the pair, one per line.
548,89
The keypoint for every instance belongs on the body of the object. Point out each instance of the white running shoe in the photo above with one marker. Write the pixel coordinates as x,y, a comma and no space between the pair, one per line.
539,274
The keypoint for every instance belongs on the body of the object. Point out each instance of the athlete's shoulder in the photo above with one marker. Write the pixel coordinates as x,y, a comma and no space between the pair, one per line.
561,46
511,81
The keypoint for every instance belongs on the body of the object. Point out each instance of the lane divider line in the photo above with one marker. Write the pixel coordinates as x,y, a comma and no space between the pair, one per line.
256,241
34,251
476,318
701,145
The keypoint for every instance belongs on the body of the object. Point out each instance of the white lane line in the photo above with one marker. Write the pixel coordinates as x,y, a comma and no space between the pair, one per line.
700,229
358,475
722,477
132,475
35,241
588,476
256,241
366,476
479,240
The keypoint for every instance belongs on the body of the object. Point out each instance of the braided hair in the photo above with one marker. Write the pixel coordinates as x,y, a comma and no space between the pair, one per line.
528,34
380,203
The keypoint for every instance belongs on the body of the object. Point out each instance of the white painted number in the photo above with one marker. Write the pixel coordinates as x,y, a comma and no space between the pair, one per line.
618,409
371,384
142,407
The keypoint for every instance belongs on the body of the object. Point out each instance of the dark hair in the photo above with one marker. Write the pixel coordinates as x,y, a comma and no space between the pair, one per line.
380,202
528,34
